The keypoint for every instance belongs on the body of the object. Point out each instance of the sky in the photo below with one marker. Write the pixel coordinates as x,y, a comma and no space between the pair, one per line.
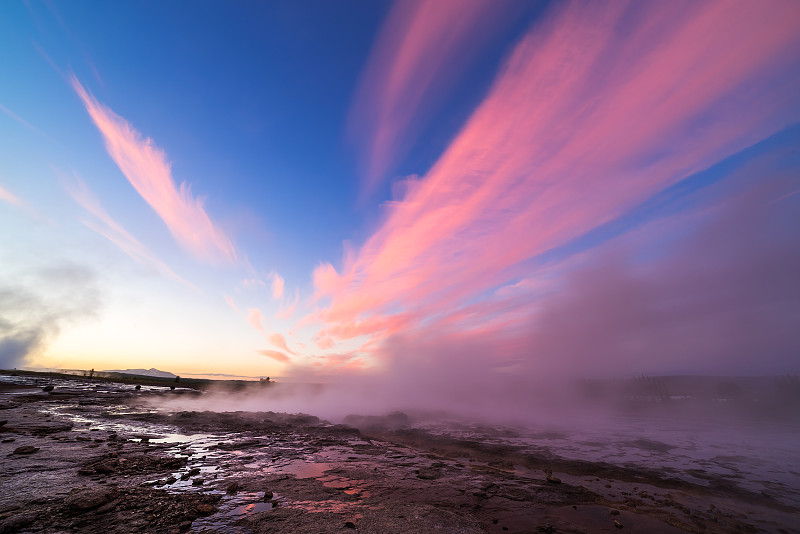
422,189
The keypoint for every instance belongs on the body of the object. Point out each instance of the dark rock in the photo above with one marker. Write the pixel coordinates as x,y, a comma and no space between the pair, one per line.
86,498
194,471
9,440
104,468
614,512
267,496
186,525
198,482
205,508
428,473
16,522
349,524
617,524
3,422
48,388
26,449
232,488
171,480
138,387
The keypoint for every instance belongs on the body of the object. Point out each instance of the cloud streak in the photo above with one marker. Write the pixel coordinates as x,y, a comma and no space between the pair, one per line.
421,50
147,169
598,108
106,226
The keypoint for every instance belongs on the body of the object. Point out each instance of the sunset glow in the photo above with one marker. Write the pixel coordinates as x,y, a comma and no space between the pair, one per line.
422,188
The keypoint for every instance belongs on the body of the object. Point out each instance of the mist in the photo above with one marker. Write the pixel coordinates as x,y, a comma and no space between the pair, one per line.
36,306
694,292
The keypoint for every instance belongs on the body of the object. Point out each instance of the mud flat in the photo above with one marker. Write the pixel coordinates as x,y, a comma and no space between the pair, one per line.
89,457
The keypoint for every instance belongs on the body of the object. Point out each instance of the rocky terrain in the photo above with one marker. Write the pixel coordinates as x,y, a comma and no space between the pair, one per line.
98,457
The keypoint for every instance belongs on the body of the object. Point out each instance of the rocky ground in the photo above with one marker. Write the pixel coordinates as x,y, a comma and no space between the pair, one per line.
91,458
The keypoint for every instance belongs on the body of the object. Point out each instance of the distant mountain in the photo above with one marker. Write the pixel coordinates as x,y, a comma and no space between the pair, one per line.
143,372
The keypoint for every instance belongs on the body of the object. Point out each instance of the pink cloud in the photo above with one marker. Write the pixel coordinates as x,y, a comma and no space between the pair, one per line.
109,228
279,341
147,169
256,319
230,302
275,355
584,121
422,48
252,283
11,198
277,286
286,311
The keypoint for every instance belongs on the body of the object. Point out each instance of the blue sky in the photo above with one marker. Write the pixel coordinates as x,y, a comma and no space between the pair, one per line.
358,174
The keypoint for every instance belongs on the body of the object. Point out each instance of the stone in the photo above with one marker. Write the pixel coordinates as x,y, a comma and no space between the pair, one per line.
17,522
267,496
86,498
26,449
349,524
232,488
48,388
198,482
205,508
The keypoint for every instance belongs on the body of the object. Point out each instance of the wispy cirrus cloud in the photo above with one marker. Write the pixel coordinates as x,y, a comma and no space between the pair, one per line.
146,167
230,302
276,355
10,198
598,108
277,286
286,310
279,341
13,200
256,319
422,48
109,228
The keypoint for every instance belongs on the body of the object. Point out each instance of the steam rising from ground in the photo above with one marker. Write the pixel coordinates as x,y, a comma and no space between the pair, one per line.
34,308
713,291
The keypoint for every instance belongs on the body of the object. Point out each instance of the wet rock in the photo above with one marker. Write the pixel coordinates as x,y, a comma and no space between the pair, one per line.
206,508
86,498
232,488
428,473
349,524
25,449
138,387
186,525
614,512
48,388
194,471
550,478
9,440
171,480
17,522
104,468
3,422
267,496
198,482
617,524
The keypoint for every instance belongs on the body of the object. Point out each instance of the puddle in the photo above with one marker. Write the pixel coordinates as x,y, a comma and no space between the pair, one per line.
304,469
252,508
